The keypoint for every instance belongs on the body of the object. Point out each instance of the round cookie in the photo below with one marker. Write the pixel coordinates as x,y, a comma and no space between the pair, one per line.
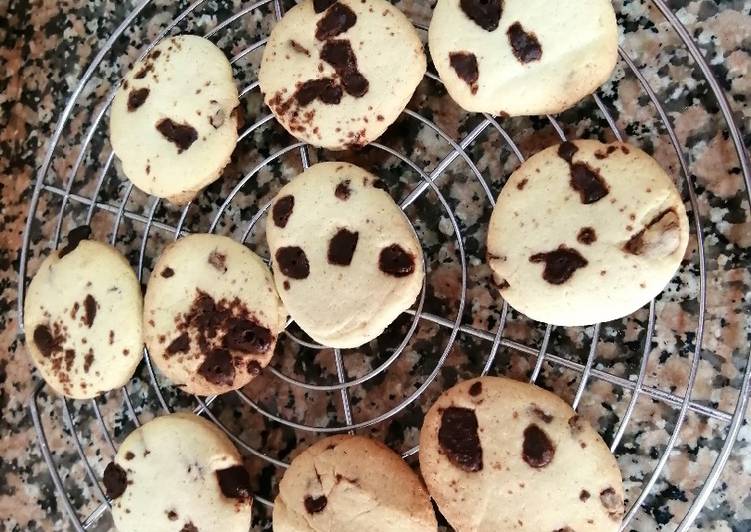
211,314
172,122
82,318
346,483
178,473
498,454
336,74
586,232
522,57
346,261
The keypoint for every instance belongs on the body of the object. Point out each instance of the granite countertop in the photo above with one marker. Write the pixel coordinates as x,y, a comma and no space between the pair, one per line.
46,46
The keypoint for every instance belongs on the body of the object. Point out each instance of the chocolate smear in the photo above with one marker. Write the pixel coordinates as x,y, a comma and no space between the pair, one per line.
337,20
339,54
181,344
217,367
247,336
325,89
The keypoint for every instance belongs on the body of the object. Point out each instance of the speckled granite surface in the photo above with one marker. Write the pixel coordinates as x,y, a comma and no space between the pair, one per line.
45,48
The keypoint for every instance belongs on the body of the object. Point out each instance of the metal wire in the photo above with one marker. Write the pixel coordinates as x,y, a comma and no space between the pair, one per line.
426,183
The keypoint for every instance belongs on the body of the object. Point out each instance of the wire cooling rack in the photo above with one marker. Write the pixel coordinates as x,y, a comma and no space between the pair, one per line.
381,389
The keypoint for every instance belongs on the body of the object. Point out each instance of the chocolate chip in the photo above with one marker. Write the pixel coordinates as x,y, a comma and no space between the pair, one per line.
484,13
475,389
339,54
342,247
540,413
254,368
172,515
586,235
247,336
181,135
659,237
292,262
465,66
217,367
314,505
319,6
521,184
337,20
537,449
136,98
129,455
115,480
381,184
234,482
168,272
327,90
584,495
342,190
89,306
45,341
299,48
567,150
613,503
458,438
588,183
525,45
282,210
560,264
181,344
189,527
394,260
82,232
87,360
218,261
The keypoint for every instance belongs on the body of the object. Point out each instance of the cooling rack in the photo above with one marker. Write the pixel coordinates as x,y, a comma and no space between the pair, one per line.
445,175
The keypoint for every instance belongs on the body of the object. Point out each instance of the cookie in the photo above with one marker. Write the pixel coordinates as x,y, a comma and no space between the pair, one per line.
522,57
336,74
178,473
211,314
346,483
346,261
82,318
586,232
498,454
173,123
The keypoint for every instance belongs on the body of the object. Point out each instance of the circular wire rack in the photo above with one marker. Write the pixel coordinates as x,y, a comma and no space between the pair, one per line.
445,179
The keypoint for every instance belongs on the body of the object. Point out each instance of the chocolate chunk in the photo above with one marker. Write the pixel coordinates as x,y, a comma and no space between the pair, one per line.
314,505
540,413
339,54
537,449
342,190
168,272
282,210
465,66
458,438
475,389
115,480
394,260
660,237
292,262
136,98
234,482
567,150
189,527
326,90
129,455
247,336
560,264
342,247
218,261
319,6
82,232
613,503
484,13
89,306
588,183
181,344
337,20
525,45
254,368
45,341
172,515
586,235
217,367
181,135
584,495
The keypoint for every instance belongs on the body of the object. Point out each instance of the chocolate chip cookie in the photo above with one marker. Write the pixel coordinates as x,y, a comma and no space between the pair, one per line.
173,123
211,314
498,454
585,232
336,74
178,473
345,483
522,57
346,261
82,318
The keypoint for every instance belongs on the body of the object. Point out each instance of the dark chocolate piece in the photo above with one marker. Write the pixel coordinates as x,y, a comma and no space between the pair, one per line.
282,210
465,66
181,344
314,505
319,6
586,235
342,247
342,190
136,98
45,341
189,527
537,450
394,260
560,264
217,367
339,54
82,232
254,368
588,183
234,482
168,272
458,438
292,262
247,336
324,89
567,150
337,20
89,306
584,495
484,13
475,389
638,244
115,480
525,45
181,135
